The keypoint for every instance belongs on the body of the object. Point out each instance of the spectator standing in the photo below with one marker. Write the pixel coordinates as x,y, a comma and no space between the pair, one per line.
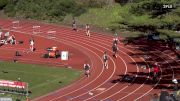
87,30
74,24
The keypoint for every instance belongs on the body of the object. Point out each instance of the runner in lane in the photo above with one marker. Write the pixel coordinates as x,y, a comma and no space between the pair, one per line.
115,40
31,42
115,50
87,69
155,71
105,60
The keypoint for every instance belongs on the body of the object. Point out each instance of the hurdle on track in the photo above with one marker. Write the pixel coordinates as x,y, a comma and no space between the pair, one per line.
51,34
36,29
15,24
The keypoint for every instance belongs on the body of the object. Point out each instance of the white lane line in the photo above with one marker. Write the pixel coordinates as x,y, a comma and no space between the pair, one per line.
115,84
98,85
71,44
111,86
156,83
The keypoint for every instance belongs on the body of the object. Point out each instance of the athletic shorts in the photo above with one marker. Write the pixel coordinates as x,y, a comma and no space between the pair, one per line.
105,60
114,50
87,71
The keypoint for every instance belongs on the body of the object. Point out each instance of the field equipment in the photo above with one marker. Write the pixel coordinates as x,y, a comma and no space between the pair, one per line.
52,52
64,55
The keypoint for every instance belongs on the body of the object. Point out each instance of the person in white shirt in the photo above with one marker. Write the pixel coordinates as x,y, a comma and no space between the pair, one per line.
115,40
87,69
12,40
74,25
6,36
0,35
31,45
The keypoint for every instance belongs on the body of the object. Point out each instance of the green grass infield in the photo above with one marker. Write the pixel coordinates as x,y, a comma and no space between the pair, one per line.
41,79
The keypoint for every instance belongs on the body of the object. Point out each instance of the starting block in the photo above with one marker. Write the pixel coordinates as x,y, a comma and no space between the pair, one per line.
36,29
15,24
51,34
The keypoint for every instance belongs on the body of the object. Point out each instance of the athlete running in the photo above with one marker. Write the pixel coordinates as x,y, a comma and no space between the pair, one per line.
115,50
31,42
105,60
87,69
115,40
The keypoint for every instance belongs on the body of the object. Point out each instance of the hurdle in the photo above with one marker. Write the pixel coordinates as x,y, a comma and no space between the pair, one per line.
51,34
36,29
15,24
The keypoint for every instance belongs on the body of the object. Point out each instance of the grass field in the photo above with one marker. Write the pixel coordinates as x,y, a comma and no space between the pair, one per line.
104,18
112,18
41,79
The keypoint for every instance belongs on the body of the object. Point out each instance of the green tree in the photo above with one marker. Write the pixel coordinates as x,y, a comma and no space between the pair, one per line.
149,15
3,3
53,10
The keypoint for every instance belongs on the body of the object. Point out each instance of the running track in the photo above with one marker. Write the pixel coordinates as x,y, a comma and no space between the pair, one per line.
105,84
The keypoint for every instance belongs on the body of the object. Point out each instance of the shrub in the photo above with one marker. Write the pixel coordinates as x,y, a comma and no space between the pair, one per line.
52,10
93,3
3,3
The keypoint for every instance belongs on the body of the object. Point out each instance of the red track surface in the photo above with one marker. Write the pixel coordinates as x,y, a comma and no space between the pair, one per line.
84,48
